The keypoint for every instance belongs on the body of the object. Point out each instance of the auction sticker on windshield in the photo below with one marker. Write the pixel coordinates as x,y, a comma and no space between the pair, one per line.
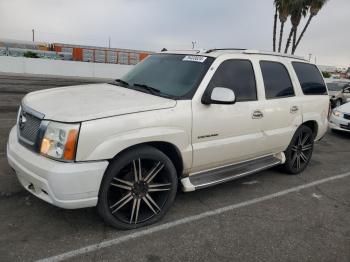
194,58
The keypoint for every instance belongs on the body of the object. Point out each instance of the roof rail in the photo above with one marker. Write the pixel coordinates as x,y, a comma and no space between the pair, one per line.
181,50
222,49
257,52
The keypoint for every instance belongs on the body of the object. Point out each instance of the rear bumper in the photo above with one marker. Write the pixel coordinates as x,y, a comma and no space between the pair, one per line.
66,185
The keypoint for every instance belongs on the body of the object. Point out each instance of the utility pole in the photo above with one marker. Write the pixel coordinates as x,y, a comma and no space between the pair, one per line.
109,42
310,55
33,34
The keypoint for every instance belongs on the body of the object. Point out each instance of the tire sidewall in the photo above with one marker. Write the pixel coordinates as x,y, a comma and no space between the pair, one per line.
288,153
116,166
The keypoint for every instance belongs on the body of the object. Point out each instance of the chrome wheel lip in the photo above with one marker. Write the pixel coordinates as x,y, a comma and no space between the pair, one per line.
144,191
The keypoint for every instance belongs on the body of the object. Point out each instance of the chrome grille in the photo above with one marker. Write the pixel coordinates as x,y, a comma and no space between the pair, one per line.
29,122
30,128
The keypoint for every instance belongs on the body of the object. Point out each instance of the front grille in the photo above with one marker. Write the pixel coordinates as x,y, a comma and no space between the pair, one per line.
345,127
347,116
30,128
29,122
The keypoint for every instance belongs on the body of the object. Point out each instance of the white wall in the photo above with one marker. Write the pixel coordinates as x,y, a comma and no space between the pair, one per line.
24,65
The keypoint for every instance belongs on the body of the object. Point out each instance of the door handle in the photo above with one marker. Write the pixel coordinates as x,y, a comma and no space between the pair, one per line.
294,109
257,114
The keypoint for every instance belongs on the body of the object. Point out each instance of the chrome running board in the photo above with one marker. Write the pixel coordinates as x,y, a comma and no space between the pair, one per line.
223,174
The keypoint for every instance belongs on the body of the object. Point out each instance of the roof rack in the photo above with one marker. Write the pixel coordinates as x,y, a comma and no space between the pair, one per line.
222,49
257,52
182,50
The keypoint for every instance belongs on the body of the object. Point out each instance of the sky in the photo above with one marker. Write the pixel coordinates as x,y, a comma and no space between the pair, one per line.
174,24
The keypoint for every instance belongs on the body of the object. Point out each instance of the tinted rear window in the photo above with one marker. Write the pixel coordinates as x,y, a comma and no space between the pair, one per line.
276,80
310,79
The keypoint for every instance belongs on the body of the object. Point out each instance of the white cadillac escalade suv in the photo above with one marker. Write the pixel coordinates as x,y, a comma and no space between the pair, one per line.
194,118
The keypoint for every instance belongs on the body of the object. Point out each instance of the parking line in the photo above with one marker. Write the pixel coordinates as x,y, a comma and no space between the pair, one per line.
186,220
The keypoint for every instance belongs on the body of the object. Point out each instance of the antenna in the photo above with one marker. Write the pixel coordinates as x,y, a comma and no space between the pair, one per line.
193,44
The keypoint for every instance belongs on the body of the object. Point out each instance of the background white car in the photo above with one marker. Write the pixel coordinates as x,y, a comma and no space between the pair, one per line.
340,118
339,92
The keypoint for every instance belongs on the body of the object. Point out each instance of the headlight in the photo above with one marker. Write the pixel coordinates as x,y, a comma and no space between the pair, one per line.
60,141
337,113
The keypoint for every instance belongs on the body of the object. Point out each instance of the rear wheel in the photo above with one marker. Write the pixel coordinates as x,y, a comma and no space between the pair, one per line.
138,188
299,151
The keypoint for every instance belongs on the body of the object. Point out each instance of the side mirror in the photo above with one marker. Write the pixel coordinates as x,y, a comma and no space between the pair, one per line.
219,95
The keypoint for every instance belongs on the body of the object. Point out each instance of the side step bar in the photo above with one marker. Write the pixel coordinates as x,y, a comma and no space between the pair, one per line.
223,174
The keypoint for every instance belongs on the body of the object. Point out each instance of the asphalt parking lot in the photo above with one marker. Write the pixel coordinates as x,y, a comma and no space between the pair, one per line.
269,216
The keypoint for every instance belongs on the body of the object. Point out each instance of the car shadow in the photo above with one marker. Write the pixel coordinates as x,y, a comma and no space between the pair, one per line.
341,134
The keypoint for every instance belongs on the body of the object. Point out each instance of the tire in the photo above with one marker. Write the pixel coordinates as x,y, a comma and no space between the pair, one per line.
299,151
129,198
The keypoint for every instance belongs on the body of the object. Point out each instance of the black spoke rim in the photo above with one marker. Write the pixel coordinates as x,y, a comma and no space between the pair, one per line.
139,191
301,150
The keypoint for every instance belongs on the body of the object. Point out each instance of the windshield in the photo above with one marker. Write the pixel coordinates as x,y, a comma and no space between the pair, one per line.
335,86
176,76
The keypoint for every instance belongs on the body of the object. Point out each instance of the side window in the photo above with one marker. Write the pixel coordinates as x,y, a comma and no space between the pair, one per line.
310,79
237,75
276,80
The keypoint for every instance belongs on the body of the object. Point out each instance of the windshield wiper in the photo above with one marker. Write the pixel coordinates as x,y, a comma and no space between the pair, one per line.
153,91
122,82
148,88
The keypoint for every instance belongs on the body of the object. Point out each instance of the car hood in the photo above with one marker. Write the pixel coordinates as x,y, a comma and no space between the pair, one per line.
86,102
344,108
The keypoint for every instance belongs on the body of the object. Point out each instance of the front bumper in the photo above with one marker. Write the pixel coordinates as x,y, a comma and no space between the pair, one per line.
66,185
338,123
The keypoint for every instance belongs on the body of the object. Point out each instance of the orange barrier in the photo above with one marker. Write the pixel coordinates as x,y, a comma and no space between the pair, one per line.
102,55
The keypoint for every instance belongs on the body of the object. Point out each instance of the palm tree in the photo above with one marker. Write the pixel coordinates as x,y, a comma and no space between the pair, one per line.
315,7
282,6
275,27
297,9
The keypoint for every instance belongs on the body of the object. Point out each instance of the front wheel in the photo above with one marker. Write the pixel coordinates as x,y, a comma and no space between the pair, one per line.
138,188
299,151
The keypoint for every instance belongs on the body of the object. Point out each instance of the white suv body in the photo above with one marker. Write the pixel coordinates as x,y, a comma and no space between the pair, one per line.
198,137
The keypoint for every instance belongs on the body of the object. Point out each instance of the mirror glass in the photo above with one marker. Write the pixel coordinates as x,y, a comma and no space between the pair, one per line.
223,95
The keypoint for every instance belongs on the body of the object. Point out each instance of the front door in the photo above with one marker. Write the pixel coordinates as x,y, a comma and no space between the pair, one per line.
226,134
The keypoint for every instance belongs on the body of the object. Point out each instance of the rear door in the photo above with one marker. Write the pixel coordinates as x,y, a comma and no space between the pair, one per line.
282,107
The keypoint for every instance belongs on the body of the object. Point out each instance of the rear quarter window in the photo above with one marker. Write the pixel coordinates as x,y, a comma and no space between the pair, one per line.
310,79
